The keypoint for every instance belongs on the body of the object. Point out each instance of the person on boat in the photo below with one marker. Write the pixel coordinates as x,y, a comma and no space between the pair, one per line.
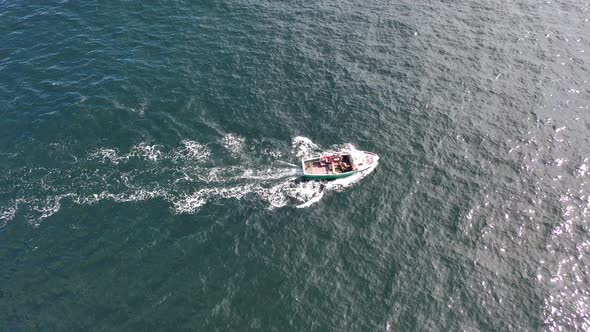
343,166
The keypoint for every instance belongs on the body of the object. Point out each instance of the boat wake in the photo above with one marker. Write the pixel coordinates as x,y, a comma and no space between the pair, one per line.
188,177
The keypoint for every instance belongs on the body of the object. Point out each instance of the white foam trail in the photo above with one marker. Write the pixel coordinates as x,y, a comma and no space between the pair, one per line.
289,192
186,186
192,150
105,155
302,195
48,207
268,174
51,206
273,153
303,147
583,169
286,163
233,143
150,152
276,196
310,196
191,203
7,214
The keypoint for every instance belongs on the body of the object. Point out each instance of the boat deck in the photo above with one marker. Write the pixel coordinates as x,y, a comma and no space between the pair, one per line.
315,167
336,165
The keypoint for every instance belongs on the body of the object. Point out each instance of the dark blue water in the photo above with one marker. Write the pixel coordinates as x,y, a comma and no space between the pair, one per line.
144,182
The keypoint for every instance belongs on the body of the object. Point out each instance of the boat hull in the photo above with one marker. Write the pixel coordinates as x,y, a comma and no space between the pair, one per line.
328,176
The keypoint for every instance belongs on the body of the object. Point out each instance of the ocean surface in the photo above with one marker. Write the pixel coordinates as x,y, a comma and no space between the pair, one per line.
145,177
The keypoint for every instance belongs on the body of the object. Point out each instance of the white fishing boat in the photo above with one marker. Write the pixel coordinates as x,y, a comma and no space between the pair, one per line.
334,165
